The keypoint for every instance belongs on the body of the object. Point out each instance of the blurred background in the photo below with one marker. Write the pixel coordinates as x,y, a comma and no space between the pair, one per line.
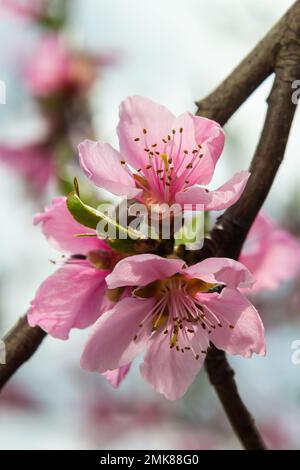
175,53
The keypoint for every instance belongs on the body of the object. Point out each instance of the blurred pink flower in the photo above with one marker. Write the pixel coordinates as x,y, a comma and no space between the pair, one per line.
174,314
171,156
34,163
271,254
55,68
29,9
74,296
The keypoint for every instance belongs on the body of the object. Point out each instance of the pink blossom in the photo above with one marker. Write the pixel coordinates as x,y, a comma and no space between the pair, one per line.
171,156
174,313
33,163
29,9
74,296
54,68
271,254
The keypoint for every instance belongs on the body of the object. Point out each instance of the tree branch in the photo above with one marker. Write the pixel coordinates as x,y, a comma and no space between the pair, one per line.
279,52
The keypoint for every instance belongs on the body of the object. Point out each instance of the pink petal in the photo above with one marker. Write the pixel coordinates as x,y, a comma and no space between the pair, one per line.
48,70
116,377
140,270
272,254
136,114
69,298
102,165
169,371
111,344
61,229
222,270
232,308
217,200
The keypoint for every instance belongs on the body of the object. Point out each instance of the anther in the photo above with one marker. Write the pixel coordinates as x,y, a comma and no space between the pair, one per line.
136,139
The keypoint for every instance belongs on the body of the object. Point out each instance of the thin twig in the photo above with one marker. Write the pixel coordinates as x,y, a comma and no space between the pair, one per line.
222,103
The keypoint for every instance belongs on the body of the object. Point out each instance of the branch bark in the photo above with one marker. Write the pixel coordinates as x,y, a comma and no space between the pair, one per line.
278,52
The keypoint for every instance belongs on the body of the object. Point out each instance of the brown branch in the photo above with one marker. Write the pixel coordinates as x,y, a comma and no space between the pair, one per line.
229,234
20,344
279,52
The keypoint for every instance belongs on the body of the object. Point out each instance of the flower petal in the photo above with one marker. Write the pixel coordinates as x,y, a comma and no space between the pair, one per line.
136,115
217,200
140,270
111,344
222,270
69,298
61,229
102,165
232,308
169,371
116,377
